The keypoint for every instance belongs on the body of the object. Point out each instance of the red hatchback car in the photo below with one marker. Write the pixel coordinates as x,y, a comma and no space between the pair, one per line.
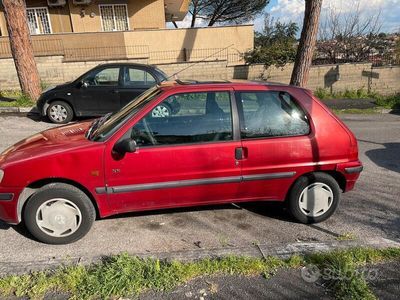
229,142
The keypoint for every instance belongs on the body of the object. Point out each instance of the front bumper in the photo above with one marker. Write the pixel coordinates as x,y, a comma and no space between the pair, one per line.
8,204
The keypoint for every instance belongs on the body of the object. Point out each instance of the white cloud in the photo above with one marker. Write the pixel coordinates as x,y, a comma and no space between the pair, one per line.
293,10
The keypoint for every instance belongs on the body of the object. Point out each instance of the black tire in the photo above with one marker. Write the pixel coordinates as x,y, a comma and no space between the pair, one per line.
66,116
63,191
293,200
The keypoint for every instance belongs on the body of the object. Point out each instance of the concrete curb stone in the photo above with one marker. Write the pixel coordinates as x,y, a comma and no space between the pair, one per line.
259,250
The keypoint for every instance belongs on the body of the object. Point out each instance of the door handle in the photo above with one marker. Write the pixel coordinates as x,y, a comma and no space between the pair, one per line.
115,92
239,154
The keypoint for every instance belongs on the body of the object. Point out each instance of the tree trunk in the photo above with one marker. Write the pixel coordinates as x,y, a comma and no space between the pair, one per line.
21,47
306,47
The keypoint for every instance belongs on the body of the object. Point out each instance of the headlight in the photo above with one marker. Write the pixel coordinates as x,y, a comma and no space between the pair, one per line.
1,175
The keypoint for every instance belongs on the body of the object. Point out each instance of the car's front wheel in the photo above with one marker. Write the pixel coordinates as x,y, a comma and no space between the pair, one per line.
60,112
161,111
59,214
314,198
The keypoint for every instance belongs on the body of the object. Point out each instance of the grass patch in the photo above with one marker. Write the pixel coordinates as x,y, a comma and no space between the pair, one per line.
386,101
347,236
357,111
126,276
17,99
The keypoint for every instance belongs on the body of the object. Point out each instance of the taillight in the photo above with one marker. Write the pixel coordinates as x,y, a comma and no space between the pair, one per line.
353,149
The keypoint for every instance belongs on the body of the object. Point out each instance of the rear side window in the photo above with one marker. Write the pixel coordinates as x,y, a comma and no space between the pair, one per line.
138,77
187,118
270,114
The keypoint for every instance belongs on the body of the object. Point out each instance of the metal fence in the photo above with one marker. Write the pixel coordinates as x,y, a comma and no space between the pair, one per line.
377,60
55,47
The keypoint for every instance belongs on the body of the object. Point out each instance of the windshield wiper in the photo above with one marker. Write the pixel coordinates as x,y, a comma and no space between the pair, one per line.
96,124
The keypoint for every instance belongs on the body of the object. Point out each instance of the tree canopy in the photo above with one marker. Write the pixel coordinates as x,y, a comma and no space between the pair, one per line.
275,44
225,11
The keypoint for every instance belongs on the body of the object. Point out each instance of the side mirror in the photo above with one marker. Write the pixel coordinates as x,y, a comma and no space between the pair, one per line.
125,146
84,84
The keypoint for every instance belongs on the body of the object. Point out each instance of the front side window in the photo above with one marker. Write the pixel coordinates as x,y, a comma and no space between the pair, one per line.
104,77
270,114
114,17
136,77
201,117
38,20
115,121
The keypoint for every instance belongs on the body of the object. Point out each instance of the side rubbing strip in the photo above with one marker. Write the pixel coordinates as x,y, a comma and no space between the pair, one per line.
192,182
268,176
6,197
173,184
101,190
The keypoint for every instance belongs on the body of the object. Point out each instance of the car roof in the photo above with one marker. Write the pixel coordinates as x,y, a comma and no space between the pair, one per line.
128,64
180,83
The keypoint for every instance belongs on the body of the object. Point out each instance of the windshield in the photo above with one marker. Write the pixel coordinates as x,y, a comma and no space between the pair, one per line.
115,121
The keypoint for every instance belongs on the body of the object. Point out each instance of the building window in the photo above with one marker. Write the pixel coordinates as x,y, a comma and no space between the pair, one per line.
114,17
39,20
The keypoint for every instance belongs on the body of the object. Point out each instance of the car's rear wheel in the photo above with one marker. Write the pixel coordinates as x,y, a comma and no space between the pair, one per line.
59,214
60,112
314,198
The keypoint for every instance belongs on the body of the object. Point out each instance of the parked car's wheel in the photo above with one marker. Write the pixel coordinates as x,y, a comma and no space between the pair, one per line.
161,111
314,198
59,214
60,112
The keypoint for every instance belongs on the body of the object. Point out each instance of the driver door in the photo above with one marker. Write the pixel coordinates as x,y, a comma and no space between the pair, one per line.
182,160
100,92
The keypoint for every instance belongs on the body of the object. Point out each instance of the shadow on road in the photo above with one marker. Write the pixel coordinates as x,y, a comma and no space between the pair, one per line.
4,226
20,228
172,211
387,157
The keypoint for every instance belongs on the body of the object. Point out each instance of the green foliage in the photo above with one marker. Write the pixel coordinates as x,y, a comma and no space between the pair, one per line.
347,94
392,101
126,276
225,11
342,268
15,98
275,45
397,50
386,101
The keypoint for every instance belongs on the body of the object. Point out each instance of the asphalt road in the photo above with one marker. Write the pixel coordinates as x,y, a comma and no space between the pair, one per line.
371,210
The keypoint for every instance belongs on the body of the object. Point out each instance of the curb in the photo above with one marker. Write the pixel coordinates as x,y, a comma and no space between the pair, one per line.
258,250
18,110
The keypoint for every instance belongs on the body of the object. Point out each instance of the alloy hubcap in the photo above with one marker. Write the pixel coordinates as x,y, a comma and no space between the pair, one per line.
160,111
316,199
58,217
58,113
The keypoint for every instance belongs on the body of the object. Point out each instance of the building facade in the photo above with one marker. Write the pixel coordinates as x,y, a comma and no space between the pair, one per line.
67,16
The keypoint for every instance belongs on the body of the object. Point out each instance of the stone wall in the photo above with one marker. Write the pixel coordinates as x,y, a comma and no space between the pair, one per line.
385,80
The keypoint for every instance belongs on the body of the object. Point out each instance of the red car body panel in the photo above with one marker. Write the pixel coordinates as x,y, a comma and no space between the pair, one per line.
119,185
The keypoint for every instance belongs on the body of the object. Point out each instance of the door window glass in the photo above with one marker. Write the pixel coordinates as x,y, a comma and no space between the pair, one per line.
186,118
271,114
104,77
136,77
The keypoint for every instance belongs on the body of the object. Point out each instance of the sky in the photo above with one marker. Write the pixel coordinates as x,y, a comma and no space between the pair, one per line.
293,10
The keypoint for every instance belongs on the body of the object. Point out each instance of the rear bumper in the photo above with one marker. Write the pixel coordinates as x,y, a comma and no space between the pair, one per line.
8,204
351,171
